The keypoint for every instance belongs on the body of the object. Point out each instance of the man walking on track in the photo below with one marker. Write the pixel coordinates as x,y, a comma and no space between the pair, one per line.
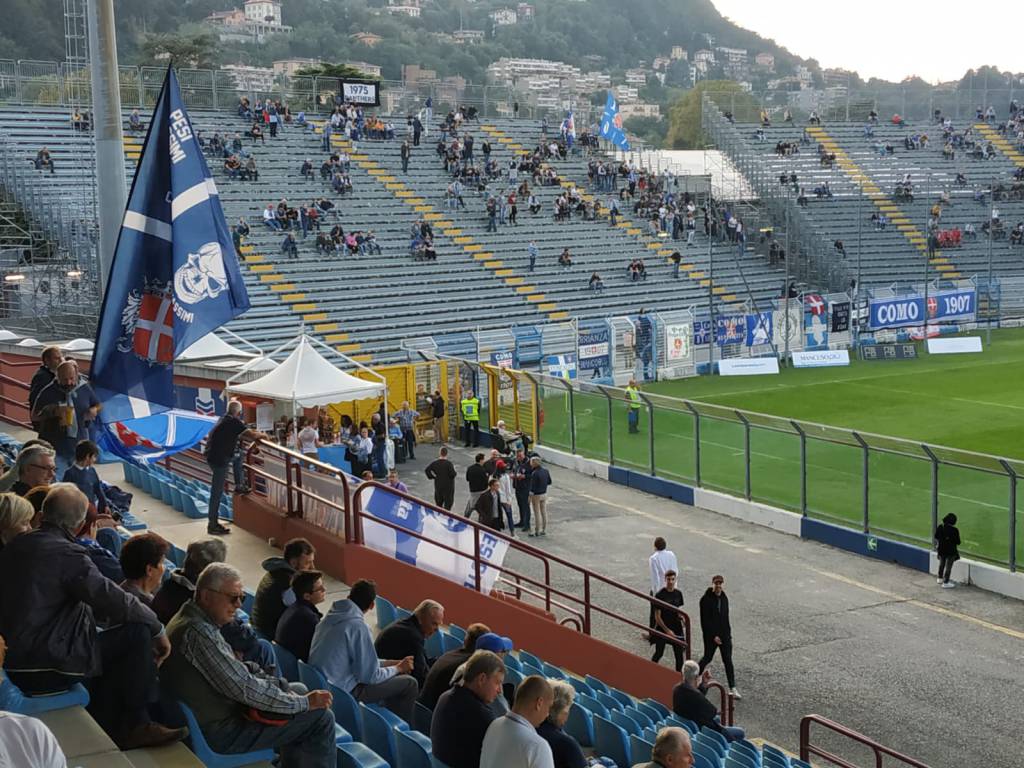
471,418
442,472
634,405
714,625
221,448
661,562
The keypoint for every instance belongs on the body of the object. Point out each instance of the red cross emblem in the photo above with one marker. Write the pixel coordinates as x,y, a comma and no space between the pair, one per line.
815,304
132,439
933,306
154,331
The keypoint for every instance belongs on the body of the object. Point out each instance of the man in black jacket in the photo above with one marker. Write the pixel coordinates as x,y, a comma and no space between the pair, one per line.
439,679
714,625
47,372
442,472
463,714
689,701
50,592
408,636
274,587
298,622
488,506
521,471
476,477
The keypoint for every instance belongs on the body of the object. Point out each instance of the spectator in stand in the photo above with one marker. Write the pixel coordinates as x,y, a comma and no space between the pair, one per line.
238,710
442,472
142,563
249,171
596,283
179,588
501,646
274,592
104,559
49,593
270,218
717,631
672,749
477,479
405,152
512,741
463,715
256,132
565,750
407,637
298,622
540,481
439,678
343,650
44,160
660,562
51,358
36,466
223,450
83,474
135,122
232,166
689,701
289,247
16,516
669,622
63,409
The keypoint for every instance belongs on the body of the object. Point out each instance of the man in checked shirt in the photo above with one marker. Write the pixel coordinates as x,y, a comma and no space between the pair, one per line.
239,710
407,421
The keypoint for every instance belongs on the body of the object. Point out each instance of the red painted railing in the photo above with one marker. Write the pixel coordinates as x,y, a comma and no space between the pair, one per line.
880,752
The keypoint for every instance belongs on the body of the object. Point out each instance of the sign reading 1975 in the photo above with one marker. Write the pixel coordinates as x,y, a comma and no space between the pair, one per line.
364,92
900,311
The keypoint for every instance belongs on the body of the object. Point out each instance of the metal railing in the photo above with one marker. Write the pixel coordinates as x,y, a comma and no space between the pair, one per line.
879,751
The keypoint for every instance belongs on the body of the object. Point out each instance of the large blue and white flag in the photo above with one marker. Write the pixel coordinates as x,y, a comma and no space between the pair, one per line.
569,127
611,124
174,276
152,438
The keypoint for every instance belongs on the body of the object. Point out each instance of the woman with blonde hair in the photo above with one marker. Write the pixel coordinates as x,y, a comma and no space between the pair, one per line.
565,750
15,517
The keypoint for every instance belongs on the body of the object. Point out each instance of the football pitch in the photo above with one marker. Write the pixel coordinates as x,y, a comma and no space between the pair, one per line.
968,402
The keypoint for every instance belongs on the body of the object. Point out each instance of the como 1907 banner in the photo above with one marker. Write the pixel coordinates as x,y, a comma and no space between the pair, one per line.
901,311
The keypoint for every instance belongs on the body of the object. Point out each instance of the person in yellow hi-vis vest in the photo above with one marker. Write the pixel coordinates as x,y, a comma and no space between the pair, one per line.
634,405
471,417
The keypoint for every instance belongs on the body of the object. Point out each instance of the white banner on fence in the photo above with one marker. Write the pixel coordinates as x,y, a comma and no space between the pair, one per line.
447,529
955,346
822,358
678,337
748,366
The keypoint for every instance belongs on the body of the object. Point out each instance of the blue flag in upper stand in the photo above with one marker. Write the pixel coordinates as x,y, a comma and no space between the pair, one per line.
174,276
611,124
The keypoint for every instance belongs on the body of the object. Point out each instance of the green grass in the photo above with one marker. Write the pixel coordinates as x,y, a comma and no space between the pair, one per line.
966,402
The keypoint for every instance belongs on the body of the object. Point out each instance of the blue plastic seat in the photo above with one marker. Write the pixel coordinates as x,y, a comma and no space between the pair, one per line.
683,722
434,646
357,755
797,763
707,751
640,717
402,613
701,760
746,749
422,715
739,760
596,684
665,711
639,749
345,707
624,698
287,664
386,612
723,743
611,741
525,657
529,669
211,759
771,760
625,722
248,601
650,734
413,749
770,751
580,725
13,699
550,670
592,704
513,676
609,701
653,713
379,727
452,643
457,632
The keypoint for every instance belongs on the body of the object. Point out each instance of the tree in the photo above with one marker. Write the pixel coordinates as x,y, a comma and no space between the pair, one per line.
650,130
684,129
195,51
327,69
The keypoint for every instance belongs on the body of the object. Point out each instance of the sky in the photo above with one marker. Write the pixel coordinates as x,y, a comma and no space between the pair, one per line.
889,39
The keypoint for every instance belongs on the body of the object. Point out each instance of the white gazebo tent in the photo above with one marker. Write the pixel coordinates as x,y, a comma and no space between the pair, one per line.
306,379
213,347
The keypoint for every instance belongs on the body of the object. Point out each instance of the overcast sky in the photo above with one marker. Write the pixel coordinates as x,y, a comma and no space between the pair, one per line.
891,39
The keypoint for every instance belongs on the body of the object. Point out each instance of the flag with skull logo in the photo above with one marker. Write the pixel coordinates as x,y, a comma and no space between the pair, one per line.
175,275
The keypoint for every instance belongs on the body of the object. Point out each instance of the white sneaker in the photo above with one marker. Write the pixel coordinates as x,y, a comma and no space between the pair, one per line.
949,585
938,581
735,694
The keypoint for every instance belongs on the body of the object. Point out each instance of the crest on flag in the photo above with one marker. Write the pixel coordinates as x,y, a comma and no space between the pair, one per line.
153,333
814,304
611,124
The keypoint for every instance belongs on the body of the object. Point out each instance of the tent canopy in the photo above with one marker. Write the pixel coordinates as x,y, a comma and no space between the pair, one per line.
307,379
211,346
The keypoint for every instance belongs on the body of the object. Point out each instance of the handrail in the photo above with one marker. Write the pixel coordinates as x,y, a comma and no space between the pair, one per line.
727,712
807,749
589,607
293,464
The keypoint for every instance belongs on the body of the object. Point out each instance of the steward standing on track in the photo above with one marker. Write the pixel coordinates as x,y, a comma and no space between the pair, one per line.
634,405
470,406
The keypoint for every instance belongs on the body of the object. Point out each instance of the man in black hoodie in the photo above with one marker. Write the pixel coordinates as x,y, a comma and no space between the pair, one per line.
714,625
442,472
476,477
408,636
269,604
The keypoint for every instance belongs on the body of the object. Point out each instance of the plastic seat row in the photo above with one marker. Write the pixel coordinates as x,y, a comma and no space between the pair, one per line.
188,496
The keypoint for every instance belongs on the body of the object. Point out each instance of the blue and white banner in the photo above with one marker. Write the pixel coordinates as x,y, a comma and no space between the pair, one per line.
611,125
910,310
731,329
701,332
174,276
823,358
562,366
503,359
438,527
594,349
815,330
759,329
155,437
